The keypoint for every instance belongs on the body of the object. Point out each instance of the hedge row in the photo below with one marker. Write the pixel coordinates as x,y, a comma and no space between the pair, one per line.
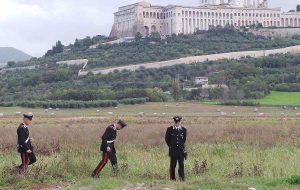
133,101
240,103
73,103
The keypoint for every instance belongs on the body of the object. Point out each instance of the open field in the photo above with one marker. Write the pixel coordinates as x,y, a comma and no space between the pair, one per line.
281,99
243,148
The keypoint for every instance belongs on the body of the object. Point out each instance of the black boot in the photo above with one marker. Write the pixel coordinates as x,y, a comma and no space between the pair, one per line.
94,175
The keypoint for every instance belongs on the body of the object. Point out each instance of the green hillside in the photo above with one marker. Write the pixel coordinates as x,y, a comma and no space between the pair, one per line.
12,54
153,48
60,86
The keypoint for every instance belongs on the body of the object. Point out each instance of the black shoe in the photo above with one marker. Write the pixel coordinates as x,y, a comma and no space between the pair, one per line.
94,175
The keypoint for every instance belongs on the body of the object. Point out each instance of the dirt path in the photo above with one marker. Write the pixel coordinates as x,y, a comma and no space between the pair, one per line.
199,59
142,186
59,186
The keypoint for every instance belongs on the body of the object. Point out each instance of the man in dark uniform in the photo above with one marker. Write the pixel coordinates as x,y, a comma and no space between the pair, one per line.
24,144
108,148
175,139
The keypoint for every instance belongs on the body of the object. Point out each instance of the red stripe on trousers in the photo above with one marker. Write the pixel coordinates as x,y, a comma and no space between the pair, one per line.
24,163
170,168
103,164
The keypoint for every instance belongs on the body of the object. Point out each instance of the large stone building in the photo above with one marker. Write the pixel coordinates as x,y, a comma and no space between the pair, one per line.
174,19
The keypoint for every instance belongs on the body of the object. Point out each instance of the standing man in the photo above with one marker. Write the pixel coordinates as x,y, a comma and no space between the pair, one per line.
175,139
24,144
108,148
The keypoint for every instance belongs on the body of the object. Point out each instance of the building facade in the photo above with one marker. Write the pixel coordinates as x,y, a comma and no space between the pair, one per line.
174,19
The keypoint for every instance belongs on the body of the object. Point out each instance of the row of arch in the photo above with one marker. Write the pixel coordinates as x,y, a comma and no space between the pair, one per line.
150,30
228,15
190,25
290,22
156,15
163,29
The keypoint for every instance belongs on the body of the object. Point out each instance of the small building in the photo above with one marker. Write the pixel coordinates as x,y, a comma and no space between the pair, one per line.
214,86
201,80
189,89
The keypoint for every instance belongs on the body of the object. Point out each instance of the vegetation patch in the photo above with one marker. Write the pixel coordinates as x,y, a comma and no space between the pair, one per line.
277,98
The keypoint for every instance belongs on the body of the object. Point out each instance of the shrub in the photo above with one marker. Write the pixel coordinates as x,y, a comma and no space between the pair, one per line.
133,101
293,180
62,104
240,103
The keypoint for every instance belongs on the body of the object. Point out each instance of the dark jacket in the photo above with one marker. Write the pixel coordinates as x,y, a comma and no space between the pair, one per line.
175,139
24,143
108,138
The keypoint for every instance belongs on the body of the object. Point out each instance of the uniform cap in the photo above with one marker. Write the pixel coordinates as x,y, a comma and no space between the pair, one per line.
177,119
28,116
122,123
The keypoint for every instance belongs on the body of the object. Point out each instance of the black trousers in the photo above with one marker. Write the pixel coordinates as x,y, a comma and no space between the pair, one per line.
173,163
105,157
27,159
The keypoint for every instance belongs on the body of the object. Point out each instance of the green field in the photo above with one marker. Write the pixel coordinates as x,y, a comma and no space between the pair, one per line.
242,150
281,99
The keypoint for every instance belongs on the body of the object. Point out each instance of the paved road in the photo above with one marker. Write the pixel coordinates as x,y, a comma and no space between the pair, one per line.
199,59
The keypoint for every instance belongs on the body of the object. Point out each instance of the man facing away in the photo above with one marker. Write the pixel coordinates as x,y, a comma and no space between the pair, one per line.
108,148
24,144
175,138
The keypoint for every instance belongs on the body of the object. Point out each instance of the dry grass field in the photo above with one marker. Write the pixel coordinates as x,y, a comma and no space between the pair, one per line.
244,147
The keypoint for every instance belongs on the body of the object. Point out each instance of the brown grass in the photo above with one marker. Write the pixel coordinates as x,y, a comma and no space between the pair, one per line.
51,133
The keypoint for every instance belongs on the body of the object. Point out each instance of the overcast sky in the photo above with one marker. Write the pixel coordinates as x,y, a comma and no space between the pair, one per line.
35,25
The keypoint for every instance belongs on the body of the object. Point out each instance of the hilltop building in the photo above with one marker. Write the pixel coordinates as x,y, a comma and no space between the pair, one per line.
175,19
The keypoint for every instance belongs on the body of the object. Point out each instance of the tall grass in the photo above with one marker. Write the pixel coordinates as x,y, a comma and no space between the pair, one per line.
240,152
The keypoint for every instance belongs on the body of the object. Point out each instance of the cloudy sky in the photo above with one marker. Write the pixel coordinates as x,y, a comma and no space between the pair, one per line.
35,25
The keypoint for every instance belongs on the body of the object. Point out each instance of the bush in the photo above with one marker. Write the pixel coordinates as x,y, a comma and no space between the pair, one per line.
294,180
294,87
133,101
240,103
62,104
156,95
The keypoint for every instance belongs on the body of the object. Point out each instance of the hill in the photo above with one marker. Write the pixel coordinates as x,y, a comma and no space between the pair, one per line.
153,48
60,85
249,78
12,54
